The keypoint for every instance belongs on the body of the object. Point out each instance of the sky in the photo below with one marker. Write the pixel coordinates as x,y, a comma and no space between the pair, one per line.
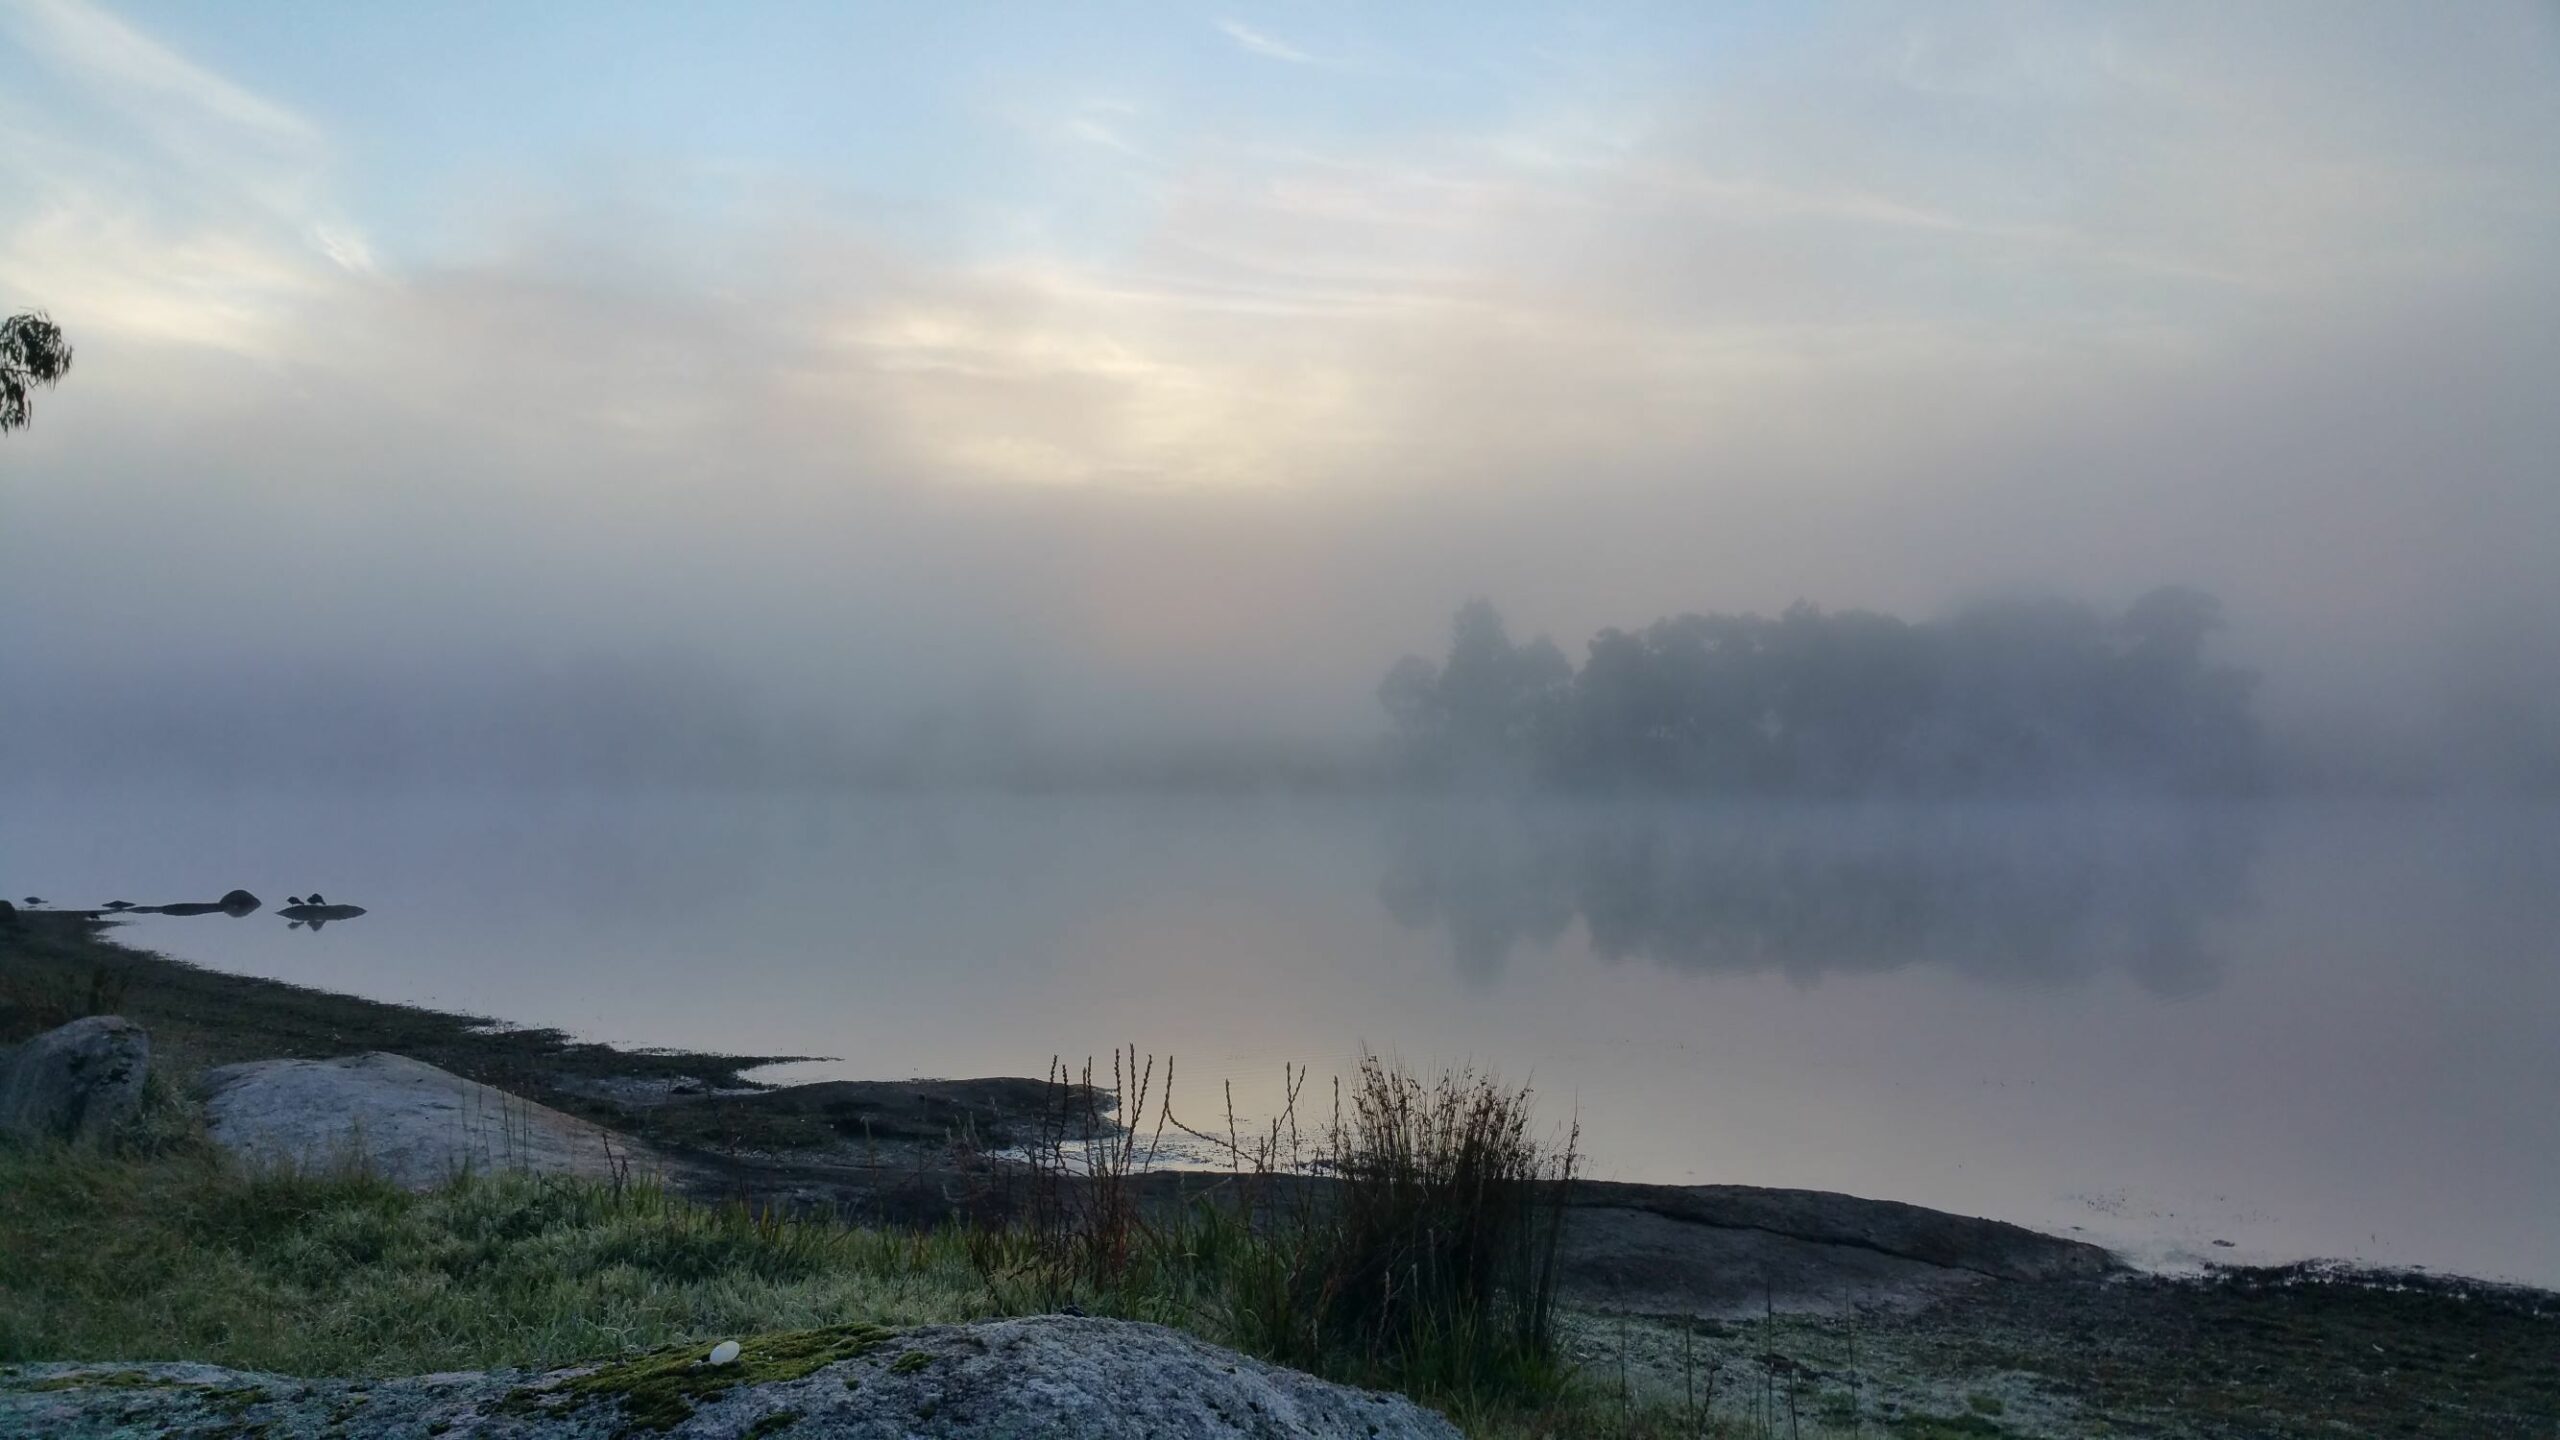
853,374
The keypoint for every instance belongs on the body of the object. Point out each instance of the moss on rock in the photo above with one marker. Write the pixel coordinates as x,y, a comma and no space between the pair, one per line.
659,1390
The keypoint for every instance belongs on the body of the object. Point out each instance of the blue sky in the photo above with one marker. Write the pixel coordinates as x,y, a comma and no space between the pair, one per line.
959,120
1209,355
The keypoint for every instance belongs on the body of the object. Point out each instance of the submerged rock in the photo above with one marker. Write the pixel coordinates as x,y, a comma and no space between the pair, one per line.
1045,1376
77,1082
408,1121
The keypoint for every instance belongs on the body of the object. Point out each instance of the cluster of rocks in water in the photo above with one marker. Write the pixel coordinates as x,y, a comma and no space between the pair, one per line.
313,911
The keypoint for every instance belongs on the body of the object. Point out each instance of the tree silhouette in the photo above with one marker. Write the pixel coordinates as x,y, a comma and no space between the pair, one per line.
32,353
1491,704
2005,696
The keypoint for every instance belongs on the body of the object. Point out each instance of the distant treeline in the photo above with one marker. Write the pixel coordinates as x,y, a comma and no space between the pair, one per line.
2013,696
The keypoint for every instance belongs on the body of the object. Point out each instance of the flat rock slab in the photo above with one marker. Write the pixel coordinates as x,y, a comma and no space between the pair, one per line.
1635,1261
1994,1248
409,1121
75,1082
1047,1376
1732,1251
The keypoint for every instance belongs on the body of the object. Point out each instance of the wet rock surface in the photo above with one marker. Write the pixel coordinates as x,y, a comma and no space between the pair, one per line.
1047,1376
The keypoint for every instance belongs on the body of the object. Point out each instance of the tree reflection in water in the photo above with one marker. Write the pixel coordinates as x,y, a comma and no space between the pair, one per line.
2015,894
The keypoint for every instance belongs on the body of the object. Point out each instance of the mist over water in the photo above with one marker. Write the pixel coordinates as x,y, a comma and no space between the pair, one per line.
2303,1028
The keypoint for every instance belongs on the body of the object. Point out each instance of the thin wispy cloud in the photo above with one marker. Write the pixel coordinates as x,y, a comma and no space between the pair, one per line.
200,215
140,71
1266,45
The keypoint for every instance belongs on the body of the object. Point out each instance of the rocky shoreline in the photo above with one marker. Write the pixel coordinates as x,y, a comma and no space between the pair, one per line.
289,1072
1798,1291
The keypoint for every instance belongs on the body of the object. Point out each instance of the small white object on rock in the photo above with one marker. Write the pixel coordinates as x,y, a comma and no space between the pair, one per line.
724,1353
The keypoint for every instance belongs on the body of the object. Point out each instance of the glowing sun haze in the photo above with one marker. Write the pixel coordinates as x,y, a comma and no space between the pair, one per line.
1166,370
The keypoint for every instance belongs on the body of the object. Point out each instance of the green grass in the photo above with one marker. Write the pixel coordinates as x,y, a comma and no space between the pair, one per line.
179,1256
167,1250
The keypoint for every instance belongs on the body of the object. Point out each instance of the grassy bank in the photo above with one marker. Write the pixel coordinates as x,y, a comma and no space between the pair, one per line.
1428,1267
164,1249
178,1255
182,1255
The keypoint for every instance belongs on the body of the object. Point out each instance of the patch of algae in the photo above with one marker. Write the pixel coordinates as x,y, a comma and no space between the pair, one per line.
659,1390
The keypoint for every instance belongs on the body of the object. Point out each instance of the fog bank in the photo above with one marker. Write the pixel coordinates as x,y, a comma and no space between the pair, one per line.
754,465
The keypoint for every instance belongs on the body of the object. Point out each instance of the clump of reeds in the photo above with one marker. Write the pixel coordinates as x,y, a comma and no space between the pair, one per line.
1410,1240
1068,1224
1430,1260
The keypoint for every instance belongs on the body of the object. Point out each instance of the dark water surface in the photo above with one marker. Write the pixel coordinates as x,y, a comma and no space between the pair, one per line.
2304,1029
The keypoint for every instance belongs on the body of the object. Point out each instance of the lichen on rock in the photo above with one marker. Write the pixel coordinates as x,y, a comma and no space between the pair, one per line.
1050,1376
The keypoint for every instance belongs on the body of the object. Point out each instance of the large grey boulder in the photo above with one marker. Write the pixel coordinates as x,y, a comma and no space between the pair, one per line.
1047,1376
406,1120
77,1082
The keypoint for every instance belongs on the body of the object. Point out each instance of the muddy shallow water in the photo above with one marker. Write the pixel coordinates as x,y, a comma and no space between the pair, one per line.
2299,1029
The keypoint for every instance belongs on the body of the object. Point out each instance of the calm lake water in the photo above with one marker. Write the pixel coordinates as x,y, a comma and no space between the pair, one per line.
2304,1030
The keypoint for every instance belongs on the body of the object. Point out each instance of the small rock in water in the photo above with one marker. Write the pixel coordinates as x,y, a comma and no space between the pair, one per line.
724,1353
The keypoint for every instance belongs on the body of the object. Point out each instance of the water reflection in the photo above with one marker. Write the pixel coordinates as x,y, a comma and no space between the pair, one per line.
313,914
2018,895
